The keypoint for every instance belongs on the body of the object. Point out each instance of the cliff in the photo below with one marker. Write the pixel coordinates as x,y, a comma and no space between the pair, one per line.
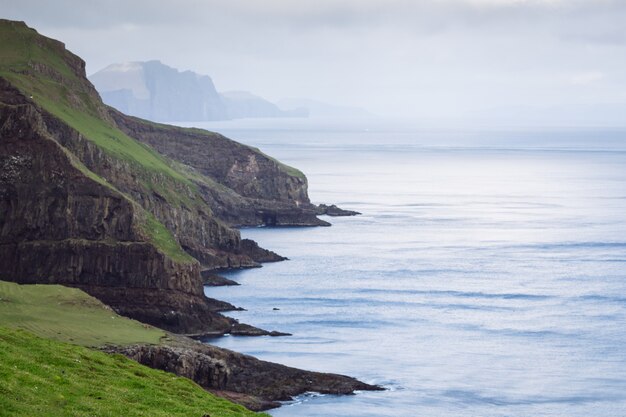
159,92
127,210
242,186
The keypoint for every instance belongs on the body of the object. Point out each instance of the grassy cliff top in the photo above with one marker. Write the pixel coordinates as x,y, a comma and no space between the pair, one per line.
44,377
69,315
22,47
54,78
40,374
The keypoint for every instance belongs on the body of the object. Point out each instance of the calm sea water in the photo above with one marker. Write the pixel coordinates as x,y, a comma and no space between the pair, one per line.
486,276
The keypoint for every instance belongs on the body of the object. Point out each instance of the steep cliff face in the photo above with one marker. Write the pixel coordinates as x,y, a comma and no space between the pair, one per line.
184,213
156,91
252,188
59,224
84,203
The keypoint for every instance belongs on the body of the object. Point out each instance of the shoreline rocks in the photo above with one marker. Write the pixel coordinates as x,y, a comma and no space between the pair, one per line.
214,280
334,211
256,384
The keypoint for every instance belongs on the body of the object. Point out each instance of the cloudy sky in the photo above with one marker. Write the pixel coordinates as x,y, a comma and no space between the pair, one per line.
423,59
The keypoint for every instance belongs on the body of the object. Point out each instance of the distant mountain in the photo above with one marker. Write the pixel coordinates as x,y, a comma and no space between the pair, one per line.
320,109
155,91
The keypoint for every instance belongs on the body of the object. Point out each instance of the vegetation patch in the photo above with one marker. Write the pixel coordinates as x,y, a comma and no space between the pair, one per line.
69,315
42,377
162,238
39,68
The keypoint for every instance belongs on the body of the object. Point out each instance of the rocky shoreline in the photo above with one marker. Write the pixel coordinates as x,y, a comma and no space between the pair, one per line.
141,215
257,385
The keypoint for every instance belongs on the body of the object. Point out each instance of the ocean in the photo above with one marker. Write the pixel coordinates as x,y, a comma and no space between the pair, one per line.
486,275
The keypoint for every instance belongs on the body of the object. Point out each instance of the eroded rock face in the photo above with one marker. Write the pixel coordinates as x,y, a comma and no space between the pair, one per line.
205,370
227,373
255,190
214,244
58,225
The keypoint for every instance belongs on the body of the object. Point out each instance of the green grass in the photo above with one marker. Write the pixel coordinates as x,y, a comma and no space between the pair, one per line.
163,239
69,315
42,377
22,45
69,98
53,97
286,168
149,164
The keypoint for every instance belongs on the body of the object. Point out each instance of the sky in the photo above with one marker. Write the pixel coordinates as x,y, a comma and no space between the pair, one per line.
511,61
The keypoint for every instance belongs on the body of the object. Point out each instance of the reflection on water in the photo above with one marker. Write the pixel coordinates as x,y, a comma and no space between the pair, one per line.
486,276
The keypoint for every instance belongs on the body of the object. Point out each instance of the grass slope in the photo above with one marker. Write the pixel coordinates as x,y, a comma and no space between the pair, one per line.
69,315
41,377
38,67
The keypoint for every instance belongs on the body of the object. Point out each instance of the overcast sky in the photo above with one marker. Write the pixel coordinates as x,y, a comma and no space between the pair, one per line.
425,59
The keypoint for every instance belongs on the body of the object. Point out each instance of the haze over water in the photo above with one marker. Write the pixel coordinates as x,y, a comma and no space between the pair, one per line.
485,277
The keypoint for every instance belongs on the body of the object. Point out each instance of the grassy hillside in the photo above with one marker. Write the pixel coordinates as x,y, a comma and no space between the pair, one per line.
69,315
42,377
42,69
67,96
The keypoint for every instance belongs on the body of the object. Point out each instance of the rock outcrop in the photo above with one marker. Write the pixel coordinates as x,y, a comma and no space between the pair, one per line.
334,211
253,383
252,189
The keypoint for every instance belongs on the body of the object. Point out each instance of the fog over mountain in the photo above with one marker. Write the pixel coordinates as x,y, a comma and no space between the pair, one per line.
430,60
155,91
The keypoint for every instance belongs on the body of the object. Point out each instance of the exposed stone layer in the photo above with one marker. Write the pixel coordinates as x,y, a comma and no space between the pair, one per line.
255,189
58,225
259,383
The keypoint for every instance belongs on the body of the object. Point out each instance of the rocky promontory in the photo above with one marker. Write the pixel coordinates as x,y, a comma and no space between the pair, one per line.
256,384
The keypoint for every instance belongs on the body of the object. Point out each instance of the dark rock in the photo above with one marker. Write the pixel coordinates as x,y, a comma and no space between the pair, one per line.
335,211
254,251
251,402
222,370
256,190
241,329
213,280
